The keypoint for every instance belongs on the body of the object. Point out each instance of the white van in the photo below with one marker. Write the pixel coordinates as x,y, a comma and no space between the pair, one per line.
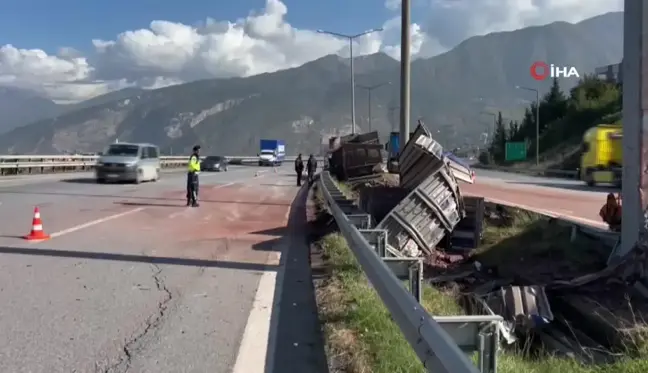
129,162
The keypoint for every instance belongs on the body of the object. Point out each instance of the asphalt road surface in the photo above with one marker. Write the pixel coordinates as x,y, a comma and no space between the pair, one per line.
134,281
569,199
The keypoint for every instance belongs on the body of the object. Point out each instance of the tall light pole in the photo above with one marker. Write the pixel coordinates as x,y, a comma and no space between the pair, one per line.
537,155
405,73
634,68
369,89
494,122
351,38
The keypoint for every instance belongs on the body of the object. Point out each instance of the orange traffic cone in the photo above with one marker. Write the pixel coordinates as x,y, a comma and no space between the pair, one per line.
37,232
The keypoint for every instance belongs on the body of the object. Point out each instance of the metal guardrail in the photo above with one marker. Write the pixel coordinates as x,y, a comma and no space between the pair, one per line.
566,174
26,164
435,342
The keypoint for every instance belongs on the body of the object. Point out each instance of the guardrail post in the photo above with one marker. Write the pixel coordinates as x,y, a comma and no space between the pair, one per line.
377,238
416,280
475,333
410,269
574,233
360,221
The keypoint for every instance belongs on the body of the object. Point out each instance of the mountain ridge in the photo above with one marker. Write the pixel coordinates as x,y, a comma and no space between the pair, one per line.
300,105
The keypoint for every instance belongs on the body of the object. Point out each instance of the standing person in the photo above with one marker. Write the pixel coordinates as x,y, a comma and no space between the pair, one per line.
299,168
311,167
611,212
193,170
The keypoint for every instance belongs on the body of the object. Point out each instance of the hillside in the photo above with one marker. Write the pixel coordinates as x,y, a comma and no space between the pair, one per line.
564,120
300,105
19,107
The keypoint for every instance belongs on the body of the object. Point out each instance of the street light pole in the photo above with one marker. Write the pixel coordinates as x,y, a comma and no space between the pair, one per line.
369,89
494,122
405,73
351,38
537,155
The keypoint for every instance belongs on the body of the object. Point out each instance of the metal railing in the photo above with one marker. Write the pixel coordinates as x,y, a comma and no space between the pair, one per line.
431,340
38,164
564,174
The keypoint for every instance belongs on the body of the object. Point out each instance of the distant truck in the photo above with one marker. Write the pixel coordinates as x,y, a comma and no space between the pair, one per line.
602,155
271,152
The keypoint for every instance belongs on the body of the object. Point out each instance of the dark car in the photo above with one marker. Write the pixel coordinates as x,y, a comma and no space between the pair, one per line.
214,163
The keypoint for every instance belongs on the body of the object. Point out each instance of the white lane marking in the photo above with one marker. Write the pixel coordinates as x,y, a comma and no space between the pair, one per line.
554,214
178,213
95,222
254,346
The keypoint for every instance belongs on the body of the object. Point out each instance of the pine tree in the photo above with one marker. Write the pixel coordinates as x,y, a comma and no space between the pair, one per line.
500,136
513,130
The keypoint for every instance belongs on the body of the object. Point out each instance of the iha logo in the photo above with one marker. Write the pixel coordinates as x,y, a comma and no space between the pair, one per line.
541,71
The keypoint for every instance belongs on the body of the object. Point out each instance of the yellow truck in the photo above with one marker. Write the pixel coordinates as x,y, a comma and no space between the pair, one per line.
602,154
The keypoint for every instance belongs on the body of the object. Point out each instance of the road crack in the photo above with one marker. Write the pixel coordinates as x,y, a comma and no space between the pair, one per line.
135,344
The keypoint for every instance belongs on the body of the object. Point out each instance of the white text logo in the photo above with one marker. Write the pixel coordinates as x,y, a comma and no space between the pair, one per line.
541,71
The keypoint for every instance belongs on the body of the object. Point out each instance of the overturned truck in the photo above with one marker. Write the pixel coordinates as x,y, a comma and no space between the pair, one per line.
355,156
433,207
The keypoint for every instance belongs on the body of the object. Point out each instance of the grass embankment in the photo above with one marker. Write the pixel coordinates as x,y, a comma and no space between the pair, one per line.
361,337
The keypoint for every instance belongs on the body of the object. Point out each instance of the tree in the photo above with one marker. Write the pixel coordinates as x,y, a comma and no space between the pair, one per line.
513,130
498,143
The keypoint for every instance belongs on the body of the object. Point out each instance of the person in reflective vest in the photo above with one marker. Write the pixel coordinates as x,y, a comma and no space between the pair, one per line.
193,170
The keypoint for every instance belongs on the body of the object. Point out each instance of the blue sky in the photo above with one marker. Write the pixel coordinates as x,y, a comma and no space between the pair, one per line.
174,52
50,24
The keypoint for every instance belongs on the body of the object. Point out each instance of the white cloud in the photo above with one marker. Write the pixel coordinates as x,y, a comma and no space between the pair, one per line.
169,53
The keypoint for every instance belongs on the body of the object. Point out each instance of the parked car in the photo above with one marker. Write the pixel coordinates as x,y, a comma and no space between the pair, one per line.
214,163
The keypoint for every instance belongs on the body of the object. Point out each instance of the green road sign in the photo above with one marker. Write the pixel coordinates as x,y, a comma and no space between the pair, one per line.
515,151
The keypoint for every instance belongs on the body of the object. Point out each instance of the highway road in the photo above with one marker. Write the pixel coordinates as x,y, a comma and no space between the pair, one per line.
134,281
569,199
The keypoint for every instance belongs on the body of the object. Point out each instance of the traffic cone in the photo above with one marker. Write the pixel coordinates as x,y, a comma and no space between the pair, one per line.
37,232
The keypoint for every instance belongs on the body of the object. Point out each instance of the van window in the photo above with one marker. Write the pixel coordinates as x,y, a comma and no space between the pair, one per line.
153,152
123,150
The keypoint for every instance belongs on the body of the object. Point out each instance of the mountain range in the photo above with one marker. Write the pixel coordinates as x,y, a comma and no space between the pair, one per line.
450,92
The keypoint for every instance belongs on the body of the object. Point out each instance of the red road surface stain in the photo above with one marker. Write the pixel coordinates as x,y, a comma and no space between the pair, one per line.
234,223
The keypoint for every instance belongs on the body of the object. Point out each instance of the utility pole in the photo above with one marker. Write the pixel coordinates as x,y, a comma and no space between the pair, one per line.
351,38
634,69
405,74
369,89
537,120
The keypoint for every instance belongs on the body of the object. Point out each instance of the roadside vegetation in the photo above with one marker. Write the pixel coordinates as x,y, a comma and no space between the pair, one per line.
361,338
563,121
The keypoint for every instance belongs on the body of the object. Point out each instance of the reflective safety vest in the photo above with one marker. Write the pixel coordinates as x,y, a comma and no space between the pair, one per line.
194,164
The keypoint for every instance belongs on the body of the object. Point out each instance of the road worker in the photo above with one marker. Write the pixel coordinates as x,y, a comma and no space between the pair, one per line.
611,212
299,168
193,170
